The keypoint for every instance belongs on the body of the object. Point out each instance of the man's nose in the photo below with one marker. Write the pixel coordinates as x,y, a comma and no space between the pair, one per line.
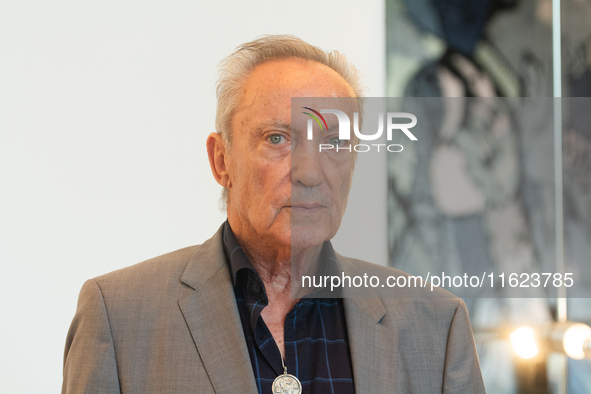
306,165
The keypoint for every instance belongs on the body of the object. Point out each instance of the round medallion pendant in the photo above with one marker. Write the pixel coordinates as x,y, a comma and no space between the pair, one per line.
286,384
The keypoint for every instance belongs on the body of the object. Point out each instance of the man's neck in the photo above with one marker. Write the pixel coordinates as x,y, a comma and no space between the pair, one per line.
278,265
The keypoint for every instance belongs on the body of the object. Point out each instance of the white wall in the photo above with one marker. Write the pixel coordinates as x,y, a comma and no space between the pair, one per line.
104,111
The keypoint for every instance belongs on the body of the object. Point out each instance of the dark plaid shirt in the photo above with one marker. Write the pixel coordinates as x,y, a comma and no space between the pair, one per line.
315,334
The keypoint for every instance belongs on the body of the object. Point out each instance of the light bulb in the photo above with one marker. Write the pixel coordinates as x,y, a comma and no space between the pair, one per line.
574,340
524,342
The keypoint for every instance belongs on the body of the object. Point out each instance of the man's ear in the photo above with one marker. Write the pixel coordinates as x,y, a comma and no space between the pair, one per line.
216,150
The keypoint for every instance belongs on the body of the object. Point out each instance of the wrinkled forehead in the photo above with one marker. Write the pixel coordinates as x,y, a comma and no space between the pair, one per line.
268,93
274,83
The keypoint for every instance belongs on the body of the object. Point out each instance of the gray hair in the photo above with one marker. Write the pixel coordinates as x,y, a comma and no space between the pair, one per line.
234,69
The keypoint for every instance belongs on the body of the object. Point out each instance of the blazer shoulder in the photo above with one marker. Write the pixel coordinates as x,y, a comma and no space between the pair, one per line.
154,273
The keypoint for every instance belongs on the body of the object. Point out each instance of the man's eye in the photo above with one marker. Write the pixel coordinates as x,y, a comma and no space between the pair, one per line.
335,141
276,139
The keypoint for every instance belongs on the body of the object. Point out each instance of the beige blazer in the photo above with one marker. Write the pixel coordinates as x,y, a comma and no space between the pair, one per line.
171,325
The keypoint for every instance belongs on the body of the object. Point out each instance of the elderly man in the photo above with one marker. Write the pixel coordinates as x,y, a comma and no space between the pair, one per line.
220,317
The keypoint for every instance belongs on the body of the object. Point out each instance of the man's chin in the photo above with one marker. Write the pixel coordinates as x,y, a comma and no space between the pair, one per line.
307,236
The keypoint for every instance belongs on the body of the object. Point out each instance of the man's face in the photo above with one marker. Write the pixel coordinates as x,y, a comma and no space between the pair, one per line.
282,191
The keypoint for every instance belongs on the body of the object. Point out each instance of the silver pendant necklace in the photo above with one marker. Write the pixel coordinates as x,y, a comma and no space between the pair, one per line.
286,383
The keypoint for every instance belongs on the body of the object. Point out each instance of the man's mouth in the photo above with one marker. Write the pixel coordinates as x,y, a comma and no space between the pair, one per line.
304,208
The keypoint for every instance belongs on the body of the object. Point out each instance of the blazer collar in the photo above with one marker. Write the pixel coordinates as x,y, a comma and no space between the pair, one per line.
211,313
373,343
206,262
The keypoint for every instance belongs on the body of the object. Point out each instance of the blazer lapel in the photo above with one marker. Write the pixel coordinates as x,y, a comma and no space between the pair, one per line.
374,346
211,313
